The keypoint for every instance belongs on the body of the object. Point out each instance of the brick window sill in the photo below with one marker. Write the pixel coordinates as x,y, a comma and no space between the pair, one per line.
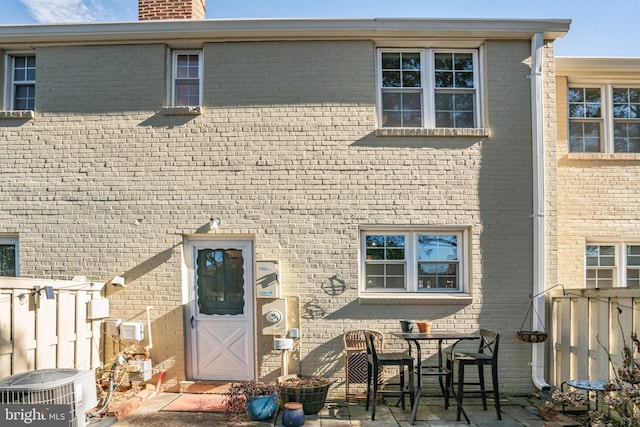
415,299
182,111
437,132
17,115
604,156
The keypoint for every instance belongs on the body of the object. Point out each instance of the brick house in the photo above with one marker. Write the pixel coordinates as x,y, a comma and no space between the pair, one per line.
386,168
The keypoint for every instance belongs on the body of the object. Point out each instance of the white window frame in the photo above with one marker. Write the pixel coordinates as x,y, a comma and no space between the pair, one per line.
6,241
428,89
10,84
620,267
606,120
410,261
174,75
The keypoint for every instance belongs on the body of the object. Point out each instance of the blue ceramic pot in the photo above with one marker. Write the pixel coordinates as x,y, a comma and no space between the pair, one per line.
262,407
293,415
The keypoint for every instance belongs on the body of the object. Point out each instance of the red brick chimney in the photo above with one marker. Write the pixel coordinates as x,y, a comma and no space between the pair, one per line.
171,9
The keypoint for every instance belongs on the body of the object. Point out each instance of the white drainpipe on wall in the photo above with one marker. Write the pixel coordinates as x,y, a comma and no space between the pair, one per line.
537,100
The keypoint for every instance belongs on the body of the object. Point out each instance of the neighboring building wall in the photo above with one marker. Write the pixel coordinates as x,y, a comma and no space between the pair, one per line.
101,183
598,194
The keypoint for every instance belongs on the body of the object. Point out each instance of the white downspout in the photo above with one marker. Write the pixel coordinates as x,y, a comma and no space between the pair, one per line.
537,100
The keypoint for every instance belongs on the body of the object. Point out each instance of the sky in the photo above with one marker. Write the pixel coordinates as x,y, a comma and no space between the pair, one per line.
599,28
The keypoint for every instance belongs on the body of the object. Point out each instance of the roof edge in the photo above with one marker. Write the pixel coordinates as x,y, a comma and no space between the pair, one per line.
280,29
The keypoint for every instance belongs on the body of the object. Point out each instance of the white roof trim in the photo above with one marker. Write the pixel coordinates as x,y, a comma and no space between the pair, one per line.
13,36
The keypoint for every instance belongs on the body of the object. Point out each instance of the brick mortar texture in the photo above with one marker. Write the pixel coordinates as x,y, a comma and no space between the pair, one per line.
295,165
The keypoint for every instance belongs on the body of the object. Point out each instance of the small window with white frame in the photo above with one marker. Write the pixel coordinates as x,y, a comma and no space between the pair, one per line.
9,257
414,261
21,90
604,118
429,88
610,265
186,85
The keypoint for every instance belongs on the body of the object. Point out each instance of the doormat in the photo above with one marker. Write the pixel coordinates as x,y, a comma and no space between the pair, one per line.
197,403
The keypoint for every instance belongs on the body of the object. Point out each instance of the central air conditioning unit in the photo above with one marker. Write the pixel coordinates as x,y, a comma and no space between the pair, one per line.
53,387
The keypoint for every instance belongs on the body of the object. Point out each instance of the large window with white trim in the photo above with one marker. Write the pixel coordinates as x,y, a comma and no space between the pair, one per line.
186,86
609,265
604,119
8,257
21,90
429,88
424,261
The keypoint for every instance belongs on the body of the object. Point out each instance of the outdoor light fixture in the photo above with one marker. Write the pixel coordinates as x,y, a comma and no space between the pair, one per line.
214,223
118,281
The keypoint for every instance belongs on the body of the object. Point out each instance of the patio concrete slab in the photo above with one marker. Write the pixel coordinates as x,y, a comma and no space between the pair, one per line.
516,412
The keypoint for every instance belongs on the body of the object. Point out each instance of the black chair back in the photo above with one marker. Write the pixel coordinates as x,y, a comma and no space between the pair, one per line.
489,341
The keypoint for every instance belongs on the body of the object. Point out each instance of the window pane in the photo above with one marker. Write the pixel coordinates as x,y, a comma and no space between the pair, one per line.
391,79
454,110
454,70
412,119
626,137
464,80
187,93
8,260
401,69
444,120
585,102
220,281
385,276
633,255
411,61
633,278
411,79
439,275
434,247
390,60
584,137
401,109
385,247
25,97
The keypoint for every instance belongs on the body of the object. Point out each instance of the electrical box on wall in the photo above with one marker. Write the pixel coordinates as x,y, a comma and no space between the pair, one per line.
268,279
131,331
97,308
274,317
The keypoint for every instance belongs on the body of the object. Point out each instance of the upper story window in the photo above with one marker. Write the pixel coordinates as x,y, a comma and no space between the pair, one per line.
428,88
22,90
604,119
8,257
421,261
612,265
187,79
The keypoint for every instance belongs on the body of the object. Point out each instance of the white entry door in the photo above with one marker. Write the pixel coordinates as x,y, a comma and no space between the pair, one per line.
221,308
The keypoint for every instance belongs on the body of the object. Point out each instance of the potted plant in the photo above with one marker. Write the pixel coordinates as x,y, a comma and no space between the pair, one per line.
259,400
311,391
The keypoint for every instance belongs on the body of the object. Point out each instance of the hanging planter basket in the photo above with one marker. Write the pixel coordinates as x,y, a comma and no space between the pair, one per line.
532,336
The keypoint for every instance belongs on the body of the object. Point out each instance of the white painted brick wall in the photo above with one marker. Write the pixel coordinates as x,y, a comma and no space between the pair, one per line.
101,183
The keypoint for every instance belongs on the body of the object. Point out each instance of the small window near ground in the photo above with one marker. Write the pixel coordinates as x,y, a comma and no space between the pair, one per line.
8,257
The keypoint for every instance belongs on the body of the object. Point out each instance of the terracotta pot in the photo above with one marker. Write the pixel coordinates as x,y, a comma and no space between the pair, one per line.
424,326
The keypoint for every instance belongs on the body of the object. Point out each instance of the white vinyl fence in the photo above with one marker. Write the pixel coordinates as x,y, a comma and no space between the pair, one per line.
590,328
44,324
